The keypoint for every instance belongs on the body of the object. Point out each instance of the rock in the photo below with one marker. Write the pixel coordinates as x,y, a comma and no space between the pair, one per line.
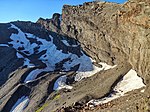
112,32
51,24
117,34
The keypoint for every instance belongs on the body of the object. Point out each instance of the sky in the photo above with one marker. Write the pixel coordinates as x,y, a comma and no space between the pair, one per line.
31,10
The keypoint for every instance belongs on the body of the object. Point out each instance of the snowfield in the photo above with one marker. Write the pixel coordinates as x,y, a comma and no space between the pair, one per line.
61,81
130,81
53,56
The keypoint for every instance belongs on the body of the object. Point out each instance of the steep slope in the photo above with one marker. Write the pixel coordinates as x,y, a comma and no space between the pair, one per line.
112,32
88,58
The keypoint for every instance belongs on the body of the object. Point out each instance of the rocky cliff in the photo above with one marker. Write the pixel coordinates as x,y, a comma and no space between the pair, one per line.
93,57
112,32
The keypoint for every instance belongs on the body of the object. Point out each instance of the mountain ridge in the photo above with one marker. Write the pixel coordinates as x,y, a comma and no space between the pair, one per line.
73,56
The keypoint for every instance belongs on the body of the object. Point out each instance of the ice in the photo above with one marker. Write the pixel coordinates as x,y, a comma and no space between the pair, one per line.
130,81
61,83
21,104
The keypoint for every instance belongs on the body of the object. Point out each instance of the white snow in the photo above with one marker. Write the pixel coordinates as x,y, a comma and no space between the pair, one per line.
27,63
32,75
29,35
20,40
105,66
81,75
61,83
130,81
142,91
4,45
65,42
53,56
20,105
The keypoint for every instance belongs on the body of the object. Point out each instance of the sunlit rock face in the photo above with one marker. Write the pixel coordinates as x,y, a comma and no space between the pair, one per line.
112,32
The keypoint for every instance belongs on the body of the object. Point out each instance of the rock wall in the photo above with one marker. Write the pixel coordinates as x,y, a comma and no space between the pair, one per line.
52,24
112,32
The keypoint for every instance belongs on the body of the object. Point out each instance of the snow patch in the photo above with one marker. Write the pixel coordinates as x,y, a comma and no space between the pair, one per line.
52,56
142,91
130,81
20,40
32,75
19,55
21,104
105,66
80,75
4,45
61,83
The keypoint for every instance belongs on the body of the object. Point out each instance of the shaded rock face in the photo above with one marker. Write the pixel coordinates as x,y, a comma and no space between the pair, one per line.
52,24
112,32
26,39
9,63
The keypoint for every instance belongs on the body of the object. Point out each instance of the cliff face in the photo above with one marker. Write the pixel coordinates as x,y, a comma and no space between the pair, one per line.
90,52
112,32
52,24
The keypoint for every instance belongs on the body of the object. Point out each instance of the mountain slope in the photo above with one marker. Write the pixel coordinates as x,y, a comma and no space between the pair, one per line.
88,57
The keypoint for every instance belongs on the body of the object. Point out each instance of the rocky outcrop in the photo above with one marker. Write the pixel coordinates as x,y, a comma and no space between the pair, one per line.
52,24
112,32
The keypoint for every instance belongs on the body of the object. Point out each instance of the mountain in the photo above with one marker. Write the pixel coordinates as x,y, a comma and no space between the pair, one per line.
93,57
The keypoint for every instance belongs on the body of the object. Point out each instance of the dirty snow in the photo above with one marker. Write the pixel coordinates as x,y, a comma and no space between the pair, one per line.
61,83
130,81
20,105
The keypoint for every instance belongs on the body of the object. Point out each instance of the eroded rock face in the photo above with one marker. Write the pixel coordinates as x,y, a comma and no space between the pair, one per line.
52,24
112,32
